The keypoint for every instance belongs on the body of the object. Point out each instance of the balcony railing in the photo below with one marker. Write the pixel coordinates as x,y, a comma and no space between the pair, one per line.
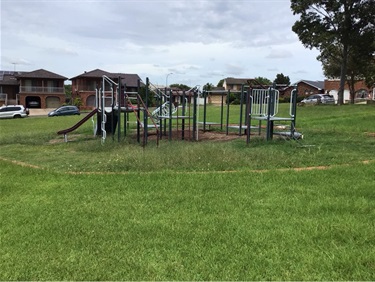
40,89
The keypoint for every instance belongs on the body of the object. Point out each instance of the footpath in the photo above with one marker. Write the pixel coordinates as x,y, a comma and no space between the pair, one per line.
39,112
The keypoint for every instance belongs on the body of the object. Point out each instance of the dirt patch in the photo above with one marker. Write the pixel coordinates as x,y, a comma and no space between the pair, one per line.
212,136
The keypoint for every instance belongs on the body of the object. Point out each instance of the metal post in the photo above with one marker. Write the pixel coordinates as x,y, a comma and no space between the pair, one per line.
170,116
205,96
138,113
222,112
249,105
241,110
195,115
119,109
228,98
145,114
294,96
183,115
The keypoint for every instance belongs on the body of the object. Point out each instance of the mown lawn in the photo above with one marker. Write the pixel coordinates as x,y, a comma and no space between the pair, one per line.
279,210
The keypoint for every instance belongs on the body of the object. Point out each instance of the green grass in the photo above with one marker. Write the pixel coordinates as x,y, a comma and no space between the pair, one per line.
189,210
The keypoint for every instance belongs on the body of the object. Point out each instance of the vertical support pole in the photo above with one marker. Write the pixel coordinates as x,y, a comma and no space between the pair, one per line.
183,115
160,120
249,105
145,113
293,113
241,109
195,115
118,93
112,113
205,97
126,114
270,110
222,112
138,115
170,116
228,98
104,117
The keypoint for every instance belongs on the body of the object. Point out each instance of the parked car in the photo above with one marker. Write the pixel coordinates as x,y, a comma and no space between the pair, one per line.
13,111
34,104
64,111
319,99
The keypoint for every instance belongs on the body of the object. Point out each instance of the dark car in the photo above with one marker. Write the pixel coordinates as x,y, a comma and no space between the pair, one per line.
64,111
319,99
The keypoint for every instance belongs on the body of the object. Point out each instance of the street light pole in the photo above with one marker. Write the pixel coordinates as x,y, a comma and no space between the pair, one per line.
166,79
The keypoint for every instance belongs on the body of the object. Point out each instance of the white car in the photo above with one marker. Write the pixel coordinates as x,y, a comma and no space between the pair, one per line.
13,111
319,99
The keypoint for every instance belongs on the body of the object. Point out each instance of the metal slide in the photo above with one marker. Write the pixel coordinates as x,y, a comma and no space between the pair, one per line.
78,124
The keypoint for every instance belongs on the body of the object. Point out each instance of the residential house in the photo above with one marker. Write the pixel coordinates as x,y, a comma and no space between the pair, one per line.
218,95
84,86
41,89
304,88
361,90
9,88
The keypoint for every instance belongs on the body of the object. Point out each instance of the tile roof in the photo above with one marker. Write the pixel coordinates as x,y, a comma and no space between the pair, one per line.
232,80
246,81
9,77
131,80
41,73
94,74
316,84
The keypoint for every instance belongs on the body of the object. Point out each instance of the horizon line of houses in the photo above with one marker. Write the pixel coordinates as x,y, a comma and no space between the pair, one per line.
45,89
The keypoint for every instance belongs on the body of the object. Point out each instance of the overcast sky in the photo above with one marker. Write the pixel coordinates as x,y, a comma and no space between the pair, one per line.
198,41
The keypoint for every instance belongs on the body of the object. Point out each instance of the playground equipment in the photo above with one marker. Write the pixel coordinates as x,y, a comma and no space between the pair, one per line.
263,105
226,105
181,113
78,124
177,112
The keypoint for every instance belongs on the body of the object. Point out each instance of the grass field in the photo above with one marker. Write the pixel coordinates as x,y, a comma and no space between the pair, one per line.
278,210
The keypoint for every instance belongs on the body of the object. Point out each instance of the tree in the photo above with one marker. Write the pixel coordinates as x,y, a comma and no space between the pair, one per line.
326,24
68,93
263,81
142,92
208,86
220,83
360,66
282,79
180,86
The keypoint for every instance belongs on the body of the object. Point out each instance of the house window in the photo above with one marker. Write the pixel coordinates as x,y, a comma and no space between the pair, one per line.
90,85
28,85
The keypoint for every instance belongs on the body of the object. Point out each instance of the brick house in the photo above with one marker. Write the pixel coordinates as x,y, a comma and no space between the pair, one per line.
41,89
35,89
304,88
361,90
218,95
9,88
84,85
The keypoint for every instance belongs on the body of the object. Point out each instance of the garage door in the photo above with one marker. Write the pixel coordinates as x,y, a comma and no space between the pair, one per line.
52,102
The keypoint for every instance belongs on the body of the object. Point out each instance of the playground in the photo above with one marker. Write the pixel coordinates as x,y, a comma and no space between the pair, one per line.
184,114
